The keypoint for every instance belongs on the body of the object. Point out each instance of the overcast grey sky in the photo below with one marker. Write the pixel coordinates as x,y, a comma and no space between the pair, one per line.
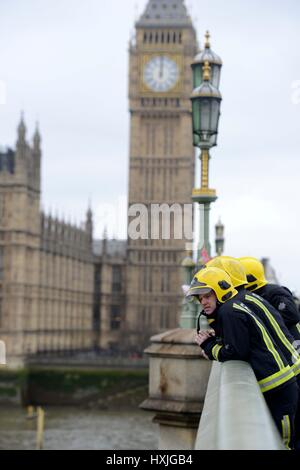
65,63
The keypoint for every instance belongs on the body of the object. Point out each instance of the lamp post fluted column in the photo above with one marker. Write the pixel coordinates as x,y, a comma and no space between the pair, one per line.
204,196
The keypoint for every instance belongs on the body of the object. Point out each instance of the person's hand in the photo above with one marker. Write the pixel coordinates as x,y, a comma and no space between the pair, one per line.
202,336
203,354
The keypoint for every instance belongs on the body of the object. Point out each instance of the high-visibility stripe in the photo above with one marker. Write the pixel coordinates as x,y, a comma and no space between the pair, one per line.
269,344
242,308
296,367
286,431
298,327
211,321
215,351
274,380
267,340
278,330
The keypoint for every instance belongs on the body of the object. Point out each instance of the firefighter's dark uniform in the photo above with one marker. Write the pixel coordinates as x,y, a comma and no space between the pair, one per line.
282,299
274,324
287,331
242,335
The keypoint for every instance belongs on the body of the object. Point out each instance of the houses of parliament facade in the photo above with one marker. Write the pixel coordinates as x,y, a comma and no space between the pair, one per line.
62,291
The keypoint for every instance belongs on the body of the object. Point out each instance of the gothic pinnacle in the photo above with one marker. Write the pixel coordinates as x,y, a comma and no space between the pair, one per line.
21,129
37,138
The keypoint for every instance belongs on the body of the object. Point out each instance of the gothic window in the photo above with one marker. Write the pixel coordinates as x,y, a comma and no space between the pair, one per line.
162,280
166,139
145,279
2,208
115,317
168,280
162,314
150,281
116,279
1,262
148,139
167,318
171,139
149,316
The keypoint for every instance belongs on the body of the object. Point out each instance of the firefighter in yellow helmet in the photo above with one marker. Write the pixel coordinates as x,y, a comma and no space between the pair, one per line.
241,335
280,297
262,308
268,315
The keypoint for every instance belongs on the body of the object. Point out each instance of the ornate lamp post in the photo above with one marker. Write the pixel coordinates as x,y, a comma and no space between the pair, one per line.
206,103
220,238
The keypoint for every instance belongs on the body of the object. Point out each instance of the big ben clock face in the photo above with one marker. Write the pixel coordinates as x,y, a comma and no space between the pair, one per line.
161,74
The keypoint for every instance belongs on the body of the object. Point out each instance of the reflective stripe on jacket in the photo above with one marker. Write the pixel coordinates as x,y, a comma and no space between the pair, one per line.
241,335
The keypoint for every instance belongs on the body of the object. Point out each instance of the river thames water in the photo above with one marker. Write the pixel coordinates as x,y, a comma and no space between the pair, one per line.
79,429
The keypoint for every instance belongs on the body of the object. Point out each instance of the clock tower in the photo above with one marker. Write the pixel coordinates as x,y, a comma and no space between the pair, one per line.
161,166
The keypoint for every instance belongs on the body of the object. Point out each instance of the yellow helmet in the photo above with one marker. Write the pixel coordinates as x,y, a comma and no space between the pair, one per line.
232,267
255,273
215,279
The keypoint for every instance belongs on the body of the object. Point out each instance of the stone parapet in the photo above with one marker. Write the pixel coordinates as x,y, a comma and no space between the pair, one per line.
178,378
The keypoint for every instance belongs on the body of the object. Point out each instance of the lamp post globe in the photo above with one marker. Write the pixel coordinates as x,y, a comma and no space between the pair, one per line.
206,105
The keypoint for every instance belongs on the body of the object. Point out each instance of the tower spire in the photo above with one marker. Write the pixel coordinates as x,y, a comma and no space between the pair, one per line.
89,222
21,130
37,138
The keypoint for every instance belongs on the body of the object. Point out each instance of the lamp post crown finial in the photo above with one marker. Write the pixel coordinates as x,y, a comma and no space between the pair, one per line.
207,42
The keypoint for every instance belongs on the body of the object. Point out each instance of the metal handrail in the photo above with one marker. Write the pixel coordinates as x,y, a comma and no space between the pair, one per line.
235,415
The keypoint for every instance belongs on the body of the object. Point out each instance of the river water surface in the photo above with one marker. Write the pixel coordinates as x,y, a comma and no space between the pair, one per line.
78,429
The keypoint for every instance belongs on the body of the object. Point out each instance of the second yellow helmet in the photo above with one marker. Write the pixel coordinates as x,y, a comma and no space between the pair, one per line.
233,267
255,273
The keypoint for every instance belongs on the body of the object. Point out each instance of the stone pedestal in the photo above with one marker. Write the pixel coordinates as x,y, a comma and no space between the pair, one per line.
177,387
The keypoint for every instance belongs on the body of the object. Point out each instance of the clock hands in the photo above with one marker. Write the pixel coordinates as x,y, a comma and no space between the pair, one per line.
161,68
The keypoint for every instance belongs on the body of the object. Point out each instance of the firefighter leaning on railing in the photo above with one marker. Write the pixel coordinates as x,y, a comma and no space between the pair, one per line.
276,323
240,334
